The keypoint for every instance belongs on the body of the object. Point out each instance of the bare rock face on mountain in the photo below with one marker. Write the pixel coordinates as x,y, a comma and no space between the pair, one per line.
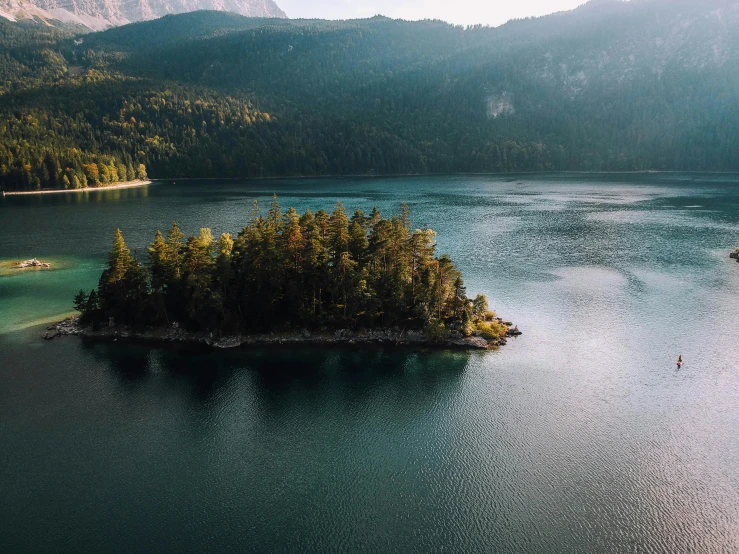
14,10
100,14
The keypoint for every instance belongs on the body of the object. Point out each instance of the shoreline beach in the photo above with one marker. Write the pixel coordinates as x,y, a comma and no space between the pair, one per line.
131,184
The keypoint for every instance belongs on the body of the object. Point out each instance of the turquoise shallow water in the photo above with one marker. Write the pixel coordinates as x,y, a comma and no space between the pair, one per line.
581,436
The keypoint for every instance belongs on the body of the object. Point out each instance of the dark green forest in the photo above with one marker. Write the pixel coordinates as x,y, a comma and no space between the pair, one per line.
611,86
285,271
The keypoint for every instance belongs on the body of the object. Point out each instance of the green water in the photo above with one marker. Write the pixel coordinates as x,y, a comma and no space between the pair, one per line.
580,436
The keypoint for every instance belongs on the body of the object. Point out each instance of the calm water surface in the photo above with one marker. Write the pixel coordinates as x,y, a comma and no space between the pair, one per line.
579,437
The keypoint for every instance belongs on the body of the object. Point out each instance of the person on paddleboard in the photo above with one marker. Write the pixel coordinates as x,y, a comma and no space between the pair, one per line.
679,360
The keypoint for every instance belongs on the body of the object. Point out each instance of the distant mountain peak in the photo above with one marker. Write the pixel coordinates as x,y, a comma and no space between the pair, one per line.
100,14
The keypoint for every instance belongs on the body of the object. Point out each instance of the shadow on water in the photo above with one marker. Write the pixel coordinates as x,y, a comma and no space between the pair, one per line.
278,374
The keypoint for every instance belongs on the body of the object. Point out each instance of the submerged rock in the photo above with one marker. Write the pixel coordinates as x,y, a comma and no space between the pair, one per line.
228,342
67,327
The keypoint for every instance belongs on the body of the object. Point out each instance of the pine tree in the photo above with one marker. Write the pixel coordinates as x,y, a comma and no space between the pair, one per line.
113,286
405,216
136,285
92,303
274,216
198,273
421,248
175,245
119,259
358,242
293,238
80,302
459,301
375,217
158,263
224,270
339,231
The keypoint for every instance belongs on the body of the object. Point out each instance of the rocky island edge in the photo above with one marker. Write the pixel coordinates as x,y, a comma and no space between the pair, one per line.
175,335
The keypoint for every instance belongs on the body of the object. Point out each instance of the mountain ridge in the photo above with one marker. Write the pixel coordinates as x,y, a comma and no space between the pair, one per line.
97,15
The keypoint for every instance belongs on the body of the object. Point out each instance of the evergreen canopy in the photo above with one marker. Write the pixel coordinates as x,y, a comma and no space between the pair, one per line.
286,271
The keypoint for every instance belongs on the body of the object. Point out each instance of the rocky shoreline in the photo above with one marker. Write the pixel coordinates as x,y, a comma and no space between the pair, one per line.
174,335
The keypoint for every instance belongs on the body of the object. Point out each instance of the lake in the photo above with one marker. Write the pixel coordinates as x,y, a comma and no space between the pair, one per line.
580,436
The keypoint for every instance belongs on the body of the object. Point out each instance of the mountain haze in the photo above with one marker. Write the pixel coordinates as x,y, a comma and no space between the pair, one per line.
611,86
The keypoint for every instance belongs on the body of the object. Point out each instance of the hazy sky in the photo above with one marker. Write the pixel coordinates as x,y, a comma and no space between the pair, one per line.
463,12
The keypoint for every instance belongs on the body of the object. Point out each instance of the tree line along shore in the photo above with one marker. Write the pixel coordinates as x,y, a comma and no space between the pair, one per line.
212,94
318,275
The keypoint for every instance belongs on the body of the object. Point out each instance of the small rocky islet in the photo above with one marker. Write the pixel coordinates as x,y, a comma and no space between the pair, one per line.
32,263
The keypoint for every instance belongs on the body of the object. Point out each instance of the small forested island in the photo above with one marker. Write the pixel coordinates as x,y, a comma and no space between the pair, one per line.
288,277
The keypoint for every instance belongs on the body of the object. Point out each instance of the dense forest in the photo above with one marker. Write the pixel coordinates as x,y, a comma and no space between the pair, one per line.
286,271
643,85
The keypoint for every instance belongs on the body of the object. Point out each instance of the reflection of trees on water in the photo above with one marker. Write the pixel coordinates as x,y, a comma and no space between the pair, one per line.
137,366
278,378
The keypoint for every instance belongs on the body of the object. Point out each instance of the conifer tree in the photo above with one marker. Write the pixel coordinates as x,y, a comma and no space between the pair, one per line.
224,270
339,232
112,288
92,303
198,272
459,300
293,238
158,263
119,259
175,246
161,275
375,217
358,242
80,301
136,286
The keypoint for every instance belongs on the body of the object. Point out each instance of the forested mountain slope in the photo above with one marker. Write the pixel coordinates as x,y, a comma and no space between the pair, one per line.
643,85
